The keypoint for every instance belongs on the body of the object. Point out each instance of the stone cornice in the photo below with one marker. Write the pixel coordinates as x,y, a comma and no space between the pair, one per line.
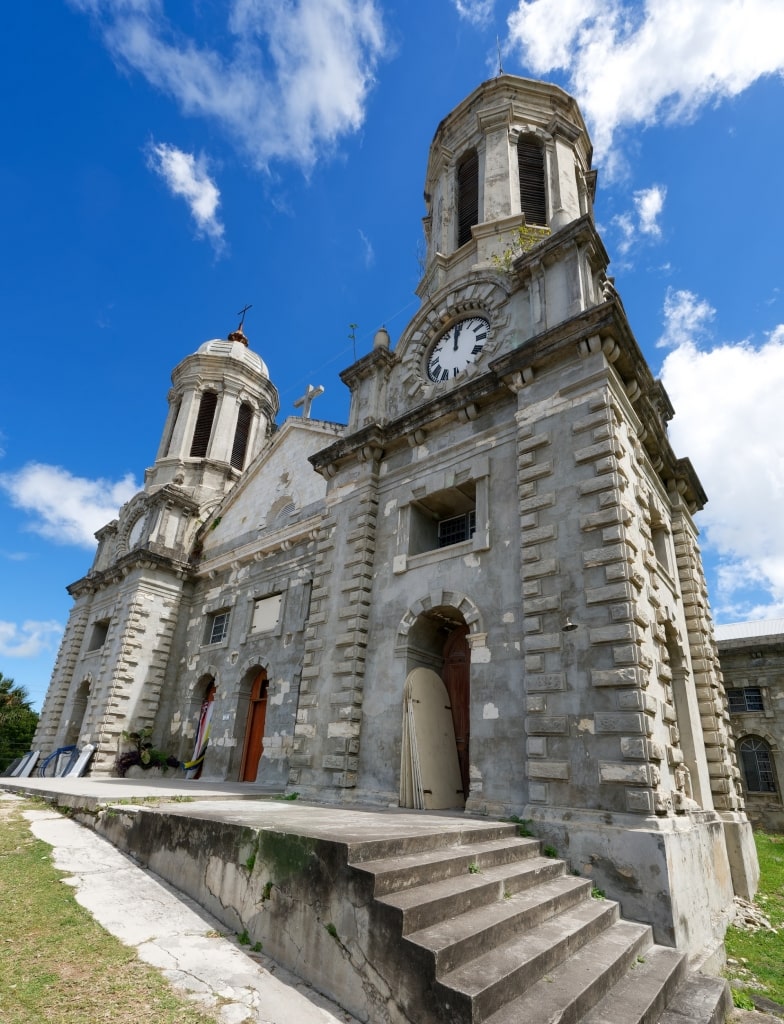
140,558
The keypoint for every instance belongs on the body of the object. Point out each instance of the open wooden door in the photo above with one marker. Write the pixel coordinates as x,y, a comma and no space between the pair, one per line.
254,732
457,677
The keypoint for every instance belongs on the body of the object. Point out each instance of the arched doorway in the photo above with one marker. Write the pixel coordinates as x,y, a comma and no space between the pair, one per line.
456,676
254,731
194,767
437,641
78,711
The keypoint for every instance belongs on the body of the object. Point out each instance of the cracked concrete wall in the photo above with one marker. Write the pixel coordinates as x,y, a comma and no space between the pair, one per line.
297,896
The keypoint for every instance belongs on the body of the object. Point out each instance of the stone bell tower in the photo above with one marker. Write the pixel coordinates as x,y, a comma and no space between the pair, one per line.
112,661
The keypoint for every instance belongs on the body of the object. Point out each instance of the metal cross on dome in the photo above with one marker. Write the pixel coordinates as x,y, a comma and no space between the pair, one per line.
241,315
307,400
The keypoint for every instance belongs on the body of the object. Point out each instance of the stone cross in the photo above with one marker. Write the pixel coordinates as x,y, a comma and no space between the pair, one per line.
307,400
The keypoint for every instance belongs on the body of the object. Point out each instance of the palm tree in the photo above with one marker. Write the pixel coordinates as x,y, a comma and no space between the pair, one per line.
17,721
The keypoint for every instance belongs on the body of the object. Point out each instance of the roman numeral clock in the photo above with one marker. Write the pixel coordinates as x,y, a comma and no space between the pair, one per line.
457,348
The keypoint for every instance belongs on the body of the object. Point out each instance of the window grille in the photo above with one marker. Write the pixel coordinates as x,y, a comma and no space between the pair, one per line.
456,529
530,167
748,698
757,765
467,196
241,435
201,434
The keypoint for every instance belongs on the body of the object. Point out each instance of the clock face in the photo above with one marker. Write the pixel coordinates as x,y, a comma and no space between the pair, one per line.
458,348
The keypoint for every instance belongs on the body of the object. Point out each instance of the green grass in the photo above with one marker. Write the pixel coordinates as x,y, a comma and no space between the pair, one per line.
760,954
56,962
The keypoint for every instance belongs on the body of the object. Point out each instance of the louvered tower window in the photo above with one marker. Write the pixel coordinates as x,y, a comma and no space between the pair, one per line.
241,435
201,435
467,196
530,167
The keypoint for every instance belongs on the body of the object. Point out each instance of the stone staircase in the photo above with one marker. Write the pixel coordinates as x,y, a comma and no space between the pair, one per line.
480,927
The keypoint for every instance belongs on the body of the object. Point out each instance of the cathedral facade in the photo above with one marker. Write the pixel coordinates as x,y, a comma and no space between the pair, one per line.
483,593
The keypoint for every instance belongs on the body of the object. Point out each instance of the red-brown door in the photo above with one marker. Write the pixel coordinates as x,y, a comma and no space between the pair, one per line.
254,733
457,674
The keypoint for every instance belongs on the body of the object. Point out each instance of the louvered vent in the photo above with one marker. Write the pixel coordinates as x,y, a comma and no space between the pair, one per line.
241,435
201,435
530,165
467,196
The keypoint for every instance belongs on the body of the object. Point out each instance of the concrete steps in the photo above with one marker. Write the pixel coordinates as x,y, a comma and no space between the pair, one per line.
505,936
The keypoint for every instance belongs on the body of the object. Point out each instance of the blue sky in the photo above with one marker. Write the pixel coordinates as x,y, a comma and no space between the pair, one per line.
166,163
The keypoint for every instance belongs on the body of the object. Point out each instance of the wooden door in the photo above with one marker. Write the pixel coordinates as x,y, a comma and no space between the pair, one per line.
254,732
457,675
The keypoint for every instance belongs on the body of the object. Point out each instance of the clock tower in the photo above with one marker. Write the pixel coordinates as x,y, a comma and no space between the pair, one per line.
506,515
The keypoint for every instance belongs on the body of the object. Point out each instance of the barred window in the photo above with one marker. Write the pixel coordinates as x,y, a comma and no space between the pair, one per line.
748,698
456,529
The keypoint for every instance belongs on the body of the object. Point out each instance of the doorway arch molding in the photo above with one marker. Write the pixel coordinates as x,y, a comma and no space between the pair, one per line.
439,599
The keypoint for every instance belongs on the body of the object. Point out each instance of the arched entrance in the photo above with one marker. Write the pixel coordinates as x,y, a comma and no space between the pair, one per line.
254,731
436,641
78,711
193,768
456,675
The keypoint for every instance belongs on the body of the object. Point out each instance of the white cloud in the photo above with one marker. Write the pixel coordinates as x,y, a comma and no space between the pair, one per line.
30,639
186,175
67,509
478,12
658,62
649,203
686,318
296,80
728,422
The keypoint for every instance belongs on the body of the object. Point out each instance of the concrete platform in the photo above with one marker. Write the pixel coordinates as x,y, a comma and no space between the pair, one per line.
246,805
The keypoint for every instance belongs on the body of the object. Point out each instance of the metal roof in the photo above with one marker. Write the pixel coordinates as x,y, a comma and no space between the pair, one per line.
748,630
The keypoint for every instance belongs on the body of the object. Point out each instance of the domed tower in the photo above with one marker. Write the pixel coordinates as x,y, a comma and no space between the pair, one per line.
221,410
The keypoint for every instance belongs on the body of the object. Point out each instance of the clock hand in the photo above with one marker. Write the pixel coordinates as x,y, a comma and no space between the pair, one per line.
458,328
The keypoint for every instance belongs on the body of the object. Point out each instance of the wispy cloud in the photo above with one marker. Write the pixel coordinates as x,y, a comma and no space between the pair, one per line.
478,12
29,639
65,508
186,176
294,80
659,62
728,421
644,220
368,252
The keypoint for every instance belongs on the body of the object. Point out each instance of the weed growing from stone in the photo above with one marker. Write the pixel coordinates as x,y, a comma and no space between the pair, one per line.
473,869
549,851
597,894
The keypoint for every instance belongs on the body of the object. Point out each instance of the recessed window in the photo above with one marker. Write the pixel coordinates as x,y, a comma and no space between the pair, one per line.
530,166
98,635
266,612
467,196
217,628
749,698
443,518
757,765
